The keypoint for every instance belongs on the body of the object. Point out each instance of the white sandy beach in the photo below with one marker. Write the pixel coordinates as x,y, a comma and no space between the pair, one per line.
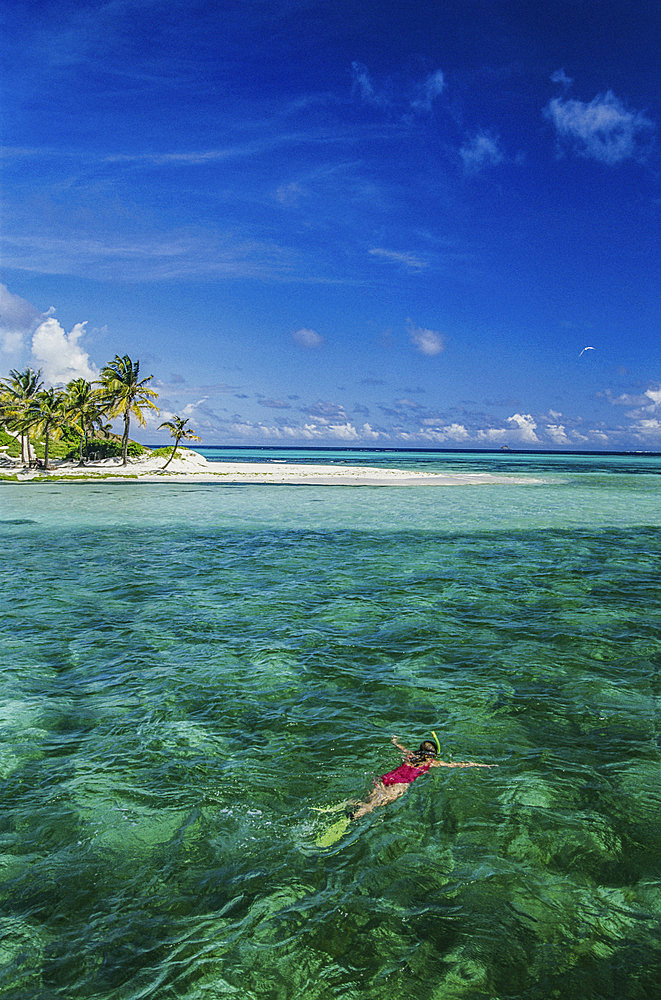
190,467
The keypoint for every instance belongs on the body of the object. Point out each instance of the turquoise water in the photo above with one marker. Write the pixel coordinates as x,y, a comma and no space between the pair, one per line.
189,669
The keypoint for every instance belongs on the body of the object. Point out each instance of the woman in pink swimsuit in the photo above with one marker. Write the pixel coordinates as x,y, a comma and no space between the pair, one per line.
390,786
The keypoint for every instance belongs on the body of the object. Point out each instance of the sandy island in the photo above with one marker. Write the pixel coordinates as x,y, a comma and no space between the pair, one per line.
190,467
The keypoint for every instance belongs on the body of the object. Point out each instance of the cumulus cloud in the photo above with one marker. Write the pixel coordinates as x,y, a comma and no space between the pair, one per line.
18,319
60,356
482,150
647,401
448,432
649,427
312,431
646,422
603,129
524,426
346,431
429,342
308,338
625,399
557,433
492,434
522,430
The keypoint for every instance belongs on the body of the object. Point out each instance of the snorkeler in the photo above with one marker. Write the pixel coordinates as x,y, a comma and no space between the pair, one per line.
390,786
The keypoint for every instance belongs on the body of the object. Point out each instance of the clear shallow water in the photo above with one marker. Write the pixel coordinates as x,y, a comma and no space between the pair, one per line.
187,670
444,461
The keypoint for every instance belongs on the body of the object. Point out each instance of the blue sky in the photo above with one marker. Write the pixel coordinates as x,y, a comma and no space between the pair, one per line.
354,223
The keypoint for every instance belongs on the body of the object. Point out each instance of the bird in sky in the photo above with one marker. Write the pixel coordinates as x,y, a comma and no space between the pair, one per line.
586,349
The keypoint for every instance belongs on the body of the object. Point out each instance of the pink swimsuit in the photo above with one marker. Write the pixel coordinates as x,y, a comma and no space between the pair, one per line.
404,774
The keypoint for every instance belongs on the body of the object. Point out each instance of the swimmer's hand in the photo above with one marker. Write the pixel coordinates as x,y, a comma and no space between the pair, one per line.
395,740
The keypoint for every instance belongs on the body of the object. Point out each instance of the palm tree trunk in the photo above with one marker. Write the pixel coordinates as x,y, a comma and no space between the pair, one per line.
172,455
125,438
80,443
46,450
25,449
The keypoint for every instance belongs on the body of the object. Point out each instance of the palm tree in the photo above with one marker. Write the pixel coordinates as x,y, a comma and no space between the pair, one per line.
18,393
124,393
48,415
178,430
83,402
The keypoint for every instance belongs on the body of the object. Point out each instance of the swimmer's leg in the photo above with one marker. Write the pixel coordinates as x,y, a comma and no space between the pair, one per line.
380,795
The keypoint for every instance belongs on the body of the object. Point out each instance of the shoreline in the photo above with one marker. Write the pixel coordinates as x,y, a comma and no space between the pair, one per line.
190,467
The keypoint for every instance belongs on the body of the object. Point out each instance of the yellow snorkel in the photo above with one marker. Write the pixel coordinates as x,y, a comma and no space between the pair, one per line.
438,745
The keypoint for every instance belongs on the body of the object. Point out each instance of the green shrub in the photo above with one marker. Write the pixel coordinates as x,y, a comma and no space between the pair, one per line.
167,451
56,448
106,448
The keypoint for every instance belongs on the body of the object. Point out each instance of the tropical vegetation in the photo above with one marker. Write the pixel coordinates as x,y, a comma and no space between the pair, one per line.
124,393
17,396
73,421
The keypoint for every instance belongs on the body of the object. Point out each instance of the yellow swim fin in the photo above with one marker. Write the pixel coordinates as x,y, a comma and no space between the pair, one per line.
333,833
338,807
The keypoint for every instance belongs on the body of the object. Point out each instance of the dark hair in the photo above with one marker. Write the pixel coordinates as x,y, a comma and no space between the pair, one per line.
426,749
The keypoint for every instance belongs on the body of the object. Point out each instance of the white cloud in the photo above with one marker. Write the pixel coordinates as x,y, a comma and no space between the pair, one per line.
449,432
18,319
369,434
417,96
308,338
483,150
561,77
60,356
407,259
557,433
428,91
342,432
346,431
289,194
492,434
626,399
650,427
362,82
603,130
525,427
429,342
646,422
648,400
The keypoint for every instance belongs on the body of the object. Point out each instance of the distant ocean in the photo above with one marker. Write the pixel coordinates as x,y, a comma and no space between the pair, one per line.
189,669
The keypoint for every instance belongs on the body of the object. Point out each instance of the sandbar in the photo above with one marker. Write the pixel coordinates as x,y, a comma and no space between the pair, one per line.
190,467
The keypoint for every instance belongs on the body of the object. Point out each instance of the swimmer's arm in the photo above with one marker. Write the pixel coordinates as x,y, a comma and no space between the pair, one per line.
399,746
459,763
